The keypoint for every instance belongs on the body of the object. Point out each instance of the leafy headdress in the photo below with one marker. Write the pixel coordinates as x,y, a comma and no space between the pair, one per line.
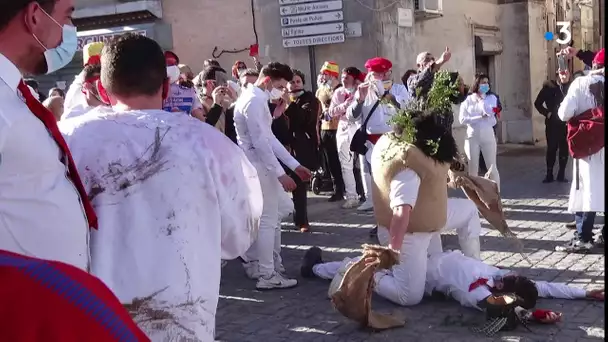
437,102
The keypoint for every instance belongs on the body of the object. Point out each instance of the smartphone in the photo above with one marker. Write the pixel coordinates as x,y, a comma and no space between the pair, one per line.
562,64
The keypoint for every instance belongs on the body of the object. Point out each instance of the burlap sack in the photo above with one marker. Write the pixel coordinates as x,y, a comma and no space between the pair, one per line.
353,298
486,196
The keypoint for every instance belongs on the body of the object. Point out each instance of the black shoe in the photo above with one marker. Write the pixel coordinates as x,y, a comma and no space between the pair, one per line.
571,225
311,257
373,232
561,178
548,178
336,198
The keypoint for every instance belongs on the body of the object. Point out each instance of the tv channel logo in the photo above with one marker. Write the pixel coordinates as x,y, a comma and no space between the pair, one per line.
564,35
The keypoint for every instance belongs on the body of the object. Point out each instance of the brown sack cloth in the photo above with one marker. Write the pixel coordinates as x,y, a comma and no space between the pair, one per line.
353,297
484,193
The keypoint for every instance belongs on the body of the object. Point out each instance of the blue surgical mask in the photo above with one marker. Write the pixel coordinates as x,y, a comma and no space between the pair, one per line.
484,88
58,57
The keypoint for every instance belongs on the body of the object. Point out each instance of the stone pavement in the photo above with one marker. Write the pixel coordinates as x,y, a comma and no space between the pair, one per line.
536,212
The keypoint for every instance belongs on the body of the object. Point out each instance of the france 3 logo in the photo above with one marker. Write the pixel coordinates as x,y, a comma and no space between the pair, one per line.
563,36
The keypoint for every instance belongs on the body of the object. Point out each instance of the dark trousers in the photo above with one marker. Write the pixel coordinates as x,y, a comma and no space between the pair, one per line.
584,225
300,202
357,172
329,147
557,145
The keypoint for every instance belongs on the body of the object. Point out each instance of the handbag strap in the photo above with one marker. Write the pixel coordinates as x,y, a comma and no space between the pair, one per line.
371,111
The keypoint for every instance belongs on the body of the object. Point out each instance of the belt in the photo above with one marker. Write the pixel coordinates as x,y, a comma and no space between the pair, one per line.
373,138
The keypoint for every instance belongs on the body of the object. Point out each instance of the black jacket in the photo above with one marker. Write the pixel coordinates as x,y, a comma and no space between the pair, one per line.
214,115
548,100
297,129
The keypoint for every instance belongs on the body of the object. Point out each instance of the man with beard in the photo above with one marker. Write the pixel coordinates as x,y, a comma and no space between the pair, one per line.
341,99
174,196
410,168
44,209
253,122
583,110
547,102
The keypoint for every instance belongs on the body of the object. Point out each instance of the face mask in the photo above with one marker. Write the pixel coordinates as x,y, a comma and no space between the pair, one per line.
57,58
484,88
173,73
379,86
275,94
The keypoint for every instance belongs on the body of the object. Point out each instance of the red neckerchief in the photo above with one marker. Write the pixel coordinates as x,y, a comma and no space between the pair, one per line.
50,123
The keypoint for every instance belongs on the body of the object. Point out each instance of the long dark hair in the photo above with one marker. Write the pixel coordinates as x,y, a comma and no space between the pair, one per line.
478,78
431,136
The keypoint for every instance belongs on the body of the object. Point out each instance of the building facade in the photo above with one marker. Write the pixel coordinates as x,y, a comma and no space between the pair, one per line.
502,38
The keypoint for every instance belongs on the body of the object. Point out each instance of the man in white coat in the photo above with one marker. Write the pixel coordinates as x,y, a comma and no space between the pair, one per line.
587,191
174,196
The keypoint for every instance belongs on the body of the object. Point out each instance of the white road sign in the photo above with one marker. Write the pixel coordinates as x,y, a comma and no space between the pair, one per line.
293,2
353,30
312,18
314,40
312,30
313,7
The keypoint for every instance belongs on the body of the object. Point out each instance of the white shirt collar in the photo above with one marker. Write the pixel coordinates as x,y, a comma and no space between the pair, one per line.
9,73
257,91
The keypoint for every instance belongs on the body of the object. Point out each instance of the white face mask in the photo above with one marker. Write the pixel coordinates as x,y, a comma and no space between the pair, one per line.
173,73
275,94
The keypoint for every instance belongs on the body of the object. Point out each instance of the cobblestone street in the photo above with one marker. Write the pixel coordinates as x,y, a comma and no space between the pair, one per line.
536,212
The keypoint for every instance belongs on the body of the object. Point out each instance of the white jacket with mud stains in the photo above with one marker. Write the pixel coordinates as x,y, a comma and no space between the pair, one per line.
174,196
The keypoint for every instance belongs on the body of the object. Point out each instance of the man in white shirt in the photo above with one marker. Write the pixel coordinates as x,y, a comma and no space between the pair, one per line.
174,196
467,280
41,212
253,121
90,93
411,205
379,81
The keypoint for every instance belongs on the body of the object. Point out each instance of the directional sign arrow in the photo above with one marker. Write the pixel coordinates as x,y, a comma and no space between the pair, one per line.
339,15
340,27
283,10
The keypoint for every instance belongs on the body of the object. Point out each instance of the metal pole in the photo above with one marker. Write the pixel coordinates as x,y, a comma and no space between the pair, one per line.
313,68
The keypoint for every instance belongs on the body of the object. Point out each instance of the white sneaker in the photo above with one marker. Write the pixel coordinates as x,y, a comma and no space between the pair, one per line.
366,206
275,281
252,270
350,203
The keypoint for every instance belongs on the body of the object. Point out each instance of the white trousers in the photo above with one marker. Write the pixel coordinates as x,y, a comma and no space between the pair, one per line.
366,172
268,241
481,139
343,139
404,284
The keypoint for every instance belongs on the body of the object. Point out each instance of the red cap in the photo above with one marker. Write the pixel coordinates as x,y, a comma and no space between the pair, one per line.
171,58
378,64
599,57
